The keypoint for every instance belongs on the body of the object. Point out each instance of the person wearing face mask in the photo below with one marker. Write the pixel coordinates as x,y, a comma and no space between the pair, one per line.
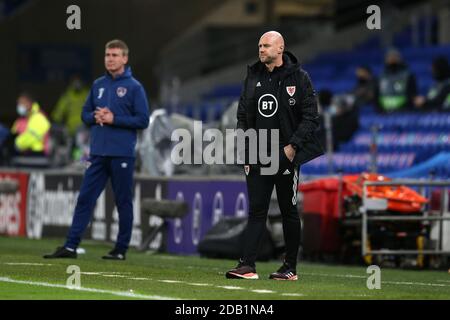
397,85
69,106
438,96
366,88
31,129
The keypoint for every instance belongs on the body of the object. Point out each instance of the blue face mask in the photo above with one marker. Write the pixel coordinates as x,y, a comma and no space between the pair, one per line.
21,110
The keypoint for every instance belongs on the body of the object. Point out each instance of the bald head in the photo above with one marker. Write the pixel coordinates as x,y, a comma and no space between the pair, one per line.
273,37
271,48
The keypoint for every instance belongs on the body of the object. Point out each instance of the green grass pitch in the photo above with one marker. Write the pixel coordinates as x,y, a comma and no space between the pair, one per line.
24,274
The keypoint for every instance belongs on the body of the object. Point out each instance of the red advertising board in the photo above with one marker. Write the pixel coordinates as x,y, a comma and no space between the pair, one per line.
13,206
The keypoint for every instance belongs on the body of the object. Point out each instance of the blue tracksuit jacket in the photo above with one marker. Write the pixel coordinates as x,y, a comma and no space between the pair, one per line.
127,100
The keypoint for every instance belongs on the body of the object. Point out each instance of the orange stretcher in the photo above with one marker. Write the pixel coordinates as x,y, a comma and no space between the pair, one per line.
400,198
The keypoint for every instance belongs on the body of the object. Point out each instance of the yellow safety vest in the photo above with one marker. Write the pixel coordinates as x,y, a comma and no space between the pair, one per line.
34,136
69,107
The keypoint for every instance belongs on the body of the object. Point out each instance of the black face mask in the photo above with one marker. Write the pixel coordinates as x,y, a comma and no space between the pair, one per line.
440,69
392,67
363,80
441,74
77,85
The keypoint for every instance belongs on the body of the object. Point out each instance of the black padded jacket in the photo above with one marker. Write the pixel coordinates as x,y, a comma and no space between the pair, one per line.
299,119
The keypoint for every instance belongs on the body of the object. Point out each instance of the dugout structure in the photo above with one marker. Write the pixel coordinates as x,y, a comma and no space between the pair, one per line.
432,241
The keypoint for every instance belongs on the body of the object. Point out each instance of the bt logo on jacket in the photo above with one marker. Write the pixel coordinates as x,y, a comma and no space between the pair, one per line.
267,105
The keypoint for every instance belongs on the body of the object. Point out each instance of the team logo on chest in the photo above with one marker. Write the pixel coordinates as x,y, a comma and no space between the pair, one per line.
121,92
267,105
100,93
290,90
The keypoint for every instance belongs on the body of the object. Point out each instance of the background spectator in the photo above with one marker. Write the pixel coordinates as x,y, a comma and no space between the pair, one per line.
344,117
397,84
32,127
69,106
438,97
366,88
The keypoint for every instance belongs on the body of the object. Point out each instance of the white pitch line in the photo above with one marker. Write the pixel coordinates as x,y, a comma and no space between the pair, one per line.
444,281
230,287
26,264
293,294
104,274
416,283
199,284
170,281
333,275
114,272
262,291
410,283
91,273
116,293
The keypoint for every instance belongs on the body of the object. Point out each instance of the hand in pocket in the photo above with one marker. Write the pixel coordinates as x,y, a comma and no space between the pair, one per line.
289,152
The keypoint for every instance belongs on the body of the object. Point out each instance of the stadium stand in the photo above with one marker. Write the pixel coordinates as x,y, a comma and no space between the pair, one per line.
404,139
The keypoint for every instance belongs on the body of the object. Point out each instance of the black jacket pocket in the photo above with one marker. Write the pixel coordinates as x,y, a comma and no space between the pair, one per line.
309,149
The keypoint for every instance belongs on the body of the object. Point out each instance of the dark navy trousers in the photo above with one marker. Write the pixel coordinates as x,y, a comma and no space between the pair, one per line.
120,170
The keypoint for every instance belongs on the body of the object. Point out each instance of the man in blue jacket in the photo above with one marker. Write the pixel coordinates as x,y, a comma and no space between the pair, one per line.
115,109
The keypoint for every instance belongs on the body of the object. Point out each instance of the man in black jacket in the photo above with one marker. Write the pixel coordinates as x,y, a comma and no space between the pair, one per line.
438,97
277,96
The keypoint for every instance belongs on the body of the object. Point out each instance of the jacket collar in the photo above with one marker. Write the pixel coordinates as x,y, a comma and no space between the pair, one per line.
126,74
290,64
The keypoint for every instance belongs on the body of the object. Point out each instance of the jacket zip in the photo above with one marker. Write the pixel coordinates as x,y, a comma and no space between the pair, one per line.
109,106
285,134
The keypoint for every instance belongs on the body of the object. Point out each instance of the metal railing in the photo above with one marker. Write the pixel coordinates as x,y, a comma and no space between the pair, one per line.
372,204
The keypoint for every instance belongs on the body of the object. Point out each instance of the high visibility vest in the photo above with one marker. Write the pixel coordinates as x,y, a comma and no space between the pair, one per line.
447,102
394,90
68,109
33,134
435,90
